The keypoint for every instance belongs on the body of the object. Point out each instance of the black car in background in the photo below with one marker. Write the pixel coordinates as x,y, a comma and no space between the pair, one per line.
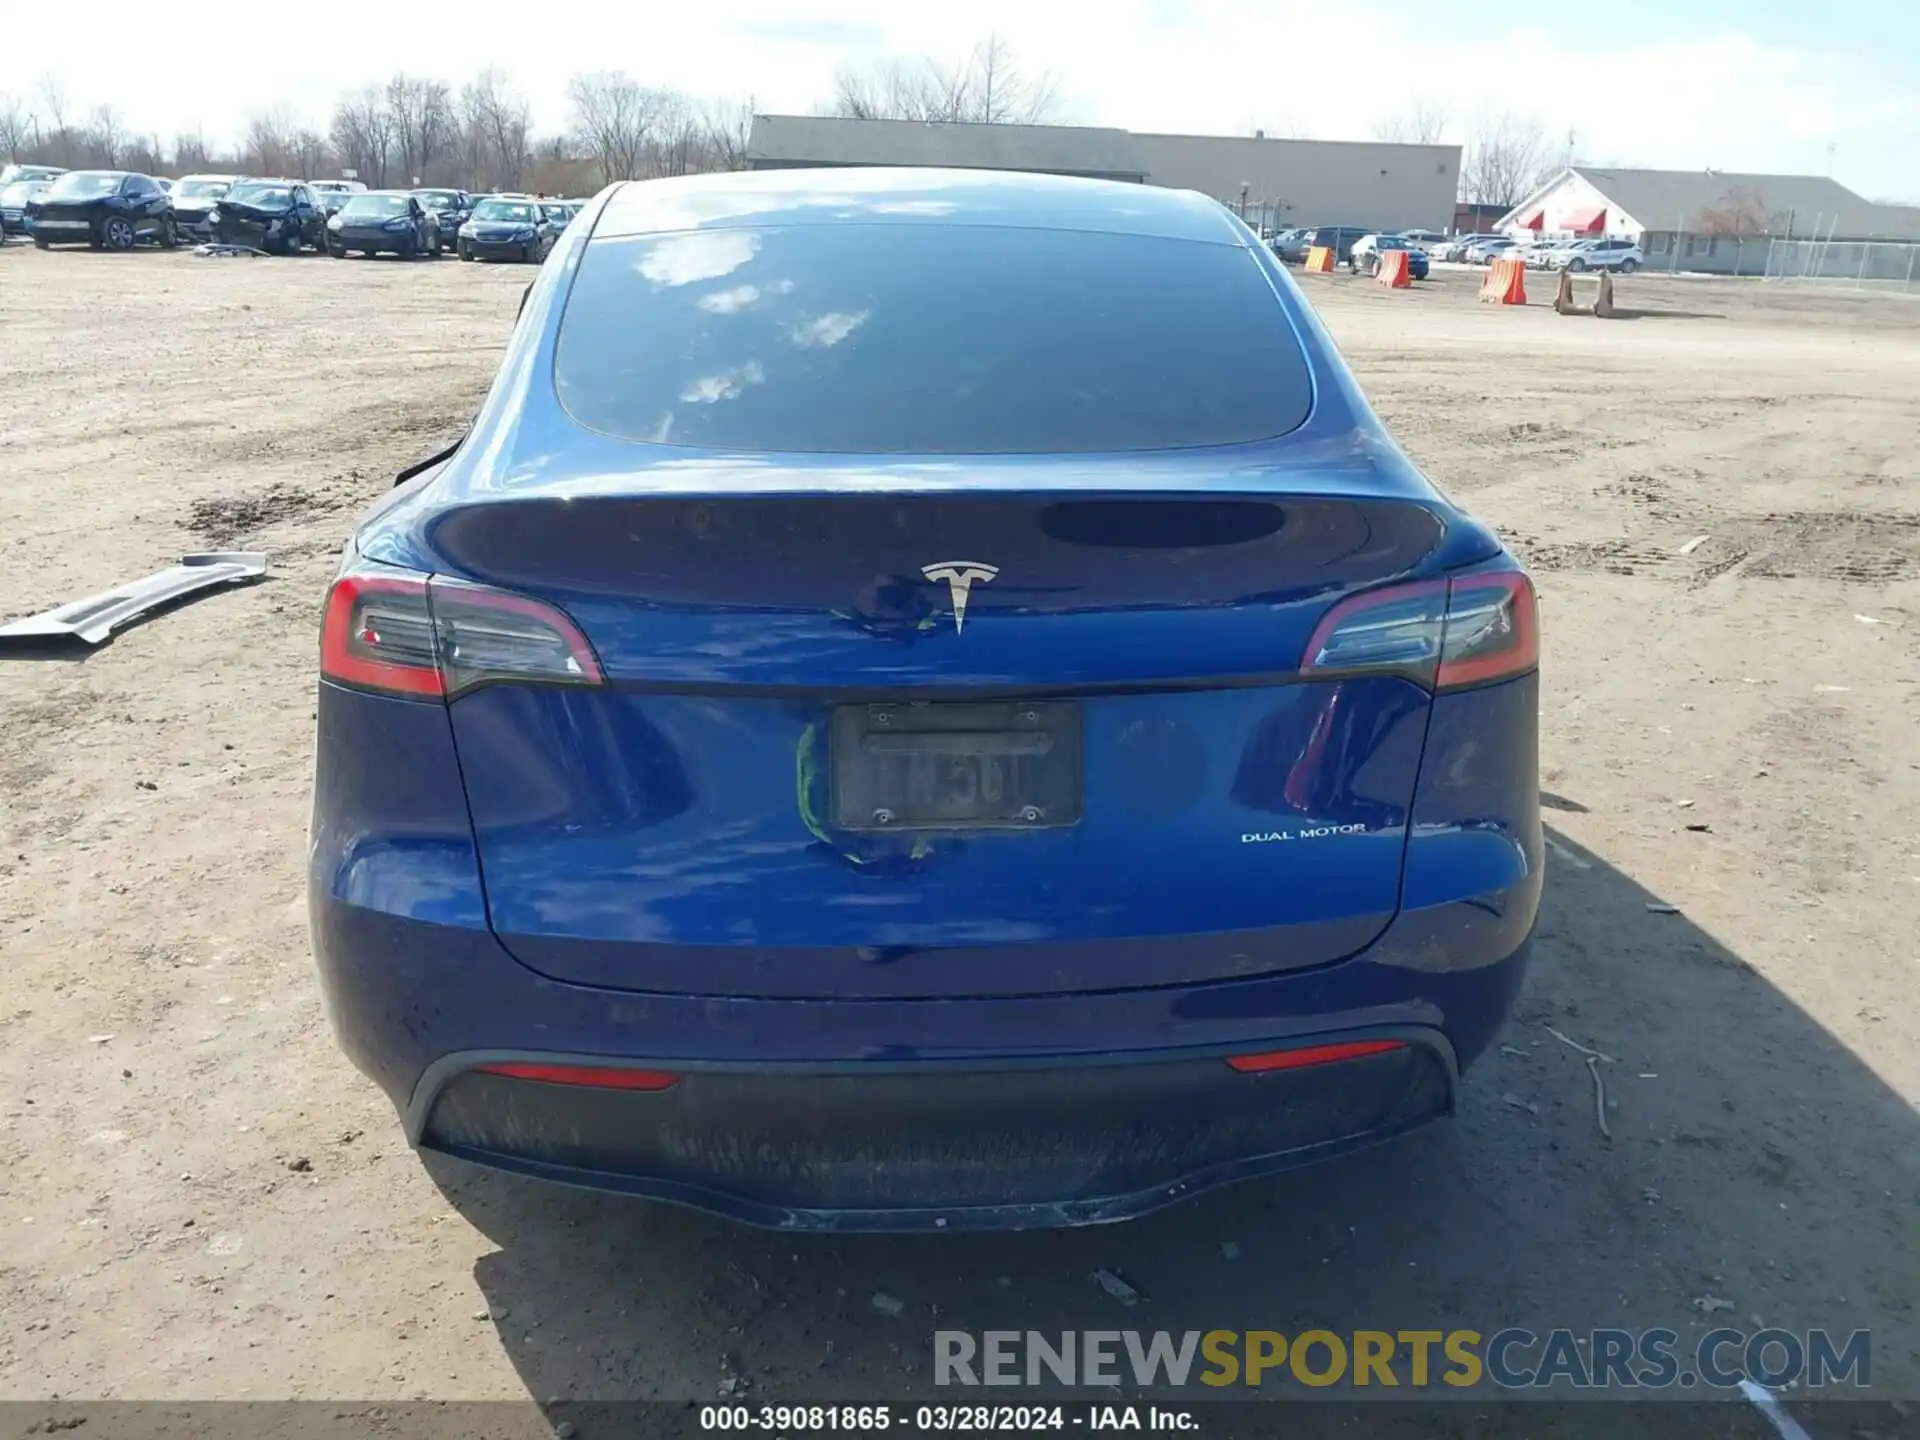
14,197
507,230
450,207
1340,239
383,221
194,197
280,216
107,209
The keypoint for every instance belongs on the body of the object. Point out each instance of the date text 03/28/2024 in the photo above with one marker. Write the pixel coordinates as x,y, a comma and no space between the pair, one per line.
940,1419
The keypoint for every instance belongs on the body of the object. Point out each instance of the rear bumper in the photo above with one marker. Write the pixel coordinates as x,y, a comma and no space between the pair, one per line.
869,1147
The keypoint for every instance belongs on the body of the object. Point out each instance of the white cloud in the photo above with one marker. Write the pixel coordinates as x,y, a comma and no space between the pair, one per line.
826,331
724,385
702,255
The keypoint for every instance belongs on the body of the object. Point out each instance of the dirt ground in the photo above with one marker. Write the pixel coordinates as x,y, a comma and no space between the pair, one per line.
199,1198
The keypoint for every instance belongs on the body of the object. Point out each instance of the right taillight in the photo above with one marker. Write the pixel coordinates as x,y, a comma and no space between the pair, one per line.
1465,630
402,633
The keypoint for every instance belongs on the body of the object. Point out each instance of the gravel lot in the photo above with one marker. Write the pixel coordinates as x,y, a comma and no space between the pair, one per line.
201,1199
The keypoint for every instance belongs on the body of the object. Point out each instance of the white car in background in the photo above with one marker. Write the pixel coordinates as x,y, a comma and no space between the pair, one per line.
1456,249
1621,255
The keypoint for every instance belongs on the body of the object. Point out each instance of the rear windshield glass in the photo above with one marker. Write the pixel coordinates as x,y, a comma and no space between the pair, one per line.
927,339
85,185
506,210
374,205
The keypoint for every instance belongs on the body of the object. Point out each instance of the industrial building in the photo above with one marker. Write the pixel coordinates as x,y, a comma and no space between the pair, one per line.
1274,183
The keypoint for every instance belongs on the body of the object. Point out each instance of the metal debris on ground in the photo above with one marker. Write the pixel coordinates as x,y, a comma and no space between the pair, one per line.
1576,1045
1518,1104
1660,907
1694,544
1599,1095
97,616
1707,1304
1763,1401
225,252
1116,1287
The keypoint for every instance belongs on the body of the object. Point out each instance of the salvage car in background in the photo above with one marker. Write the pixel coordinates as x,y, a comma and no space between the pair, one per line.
14,197
15,171
107,209
1417,267
450,210
281,216
193,201
383,222
507,230
967,719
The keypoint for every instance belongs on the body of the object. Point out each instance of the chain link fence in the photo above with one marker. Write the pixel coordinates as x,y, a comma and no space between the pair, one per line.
1894,263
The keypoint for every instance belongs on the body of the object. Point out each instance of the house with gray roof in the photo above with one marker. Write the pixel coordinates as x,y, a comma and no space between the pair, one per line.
1713,220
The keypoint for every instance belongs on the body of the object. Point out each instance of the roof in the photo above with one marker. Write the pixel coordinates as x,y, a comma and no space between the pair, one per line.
908,195
834,140
1691,200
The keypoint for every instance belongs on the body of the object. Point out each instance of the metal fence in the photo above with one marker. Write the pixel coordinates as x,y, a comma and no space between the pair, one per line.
1893,263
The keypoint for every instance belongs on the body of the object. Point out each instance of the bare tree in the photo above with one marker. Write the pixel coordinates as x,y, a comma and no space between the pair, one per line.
105,137
1741,211
498,115
362,135
57,140
17,128
1000,93
308,149
420,112
190,153
272,142
1422,122
1506,159
729,125
613,121
986,88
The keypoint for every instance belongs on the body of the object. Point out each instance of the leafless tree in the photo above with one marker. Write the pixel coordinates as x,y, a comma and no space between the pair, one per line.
1741,211
987,87
308,149
1422,122
362,135
57,141
1507,158
105,137
613,121
17,128
728,127
190,153
500,126
420,112
272,143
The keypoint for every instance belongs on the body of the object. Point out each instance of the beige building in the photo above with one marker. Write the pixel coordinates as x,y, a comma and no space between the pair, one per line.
1279,183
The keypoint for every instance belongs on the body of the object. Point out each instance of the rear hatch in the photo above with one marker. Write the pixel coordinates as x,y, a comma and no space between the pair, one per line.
938,744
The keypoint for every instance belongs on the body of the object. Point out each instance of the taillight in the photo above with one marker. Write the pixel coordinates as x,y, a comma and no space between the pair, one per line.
1465,630
405,634
1302,1056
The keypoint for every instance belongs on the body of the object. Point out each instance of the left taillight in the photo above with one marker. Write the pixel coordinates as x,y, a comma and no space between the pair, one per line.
402,633
1463,630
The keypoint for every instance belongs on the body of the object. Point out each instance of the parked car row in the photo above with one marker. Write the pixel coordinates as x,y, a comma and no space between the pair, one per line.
1355,246
116,210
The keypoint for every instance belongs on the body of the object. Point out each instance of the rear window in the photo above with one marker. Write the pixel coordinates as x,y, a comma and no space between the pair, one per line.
920,339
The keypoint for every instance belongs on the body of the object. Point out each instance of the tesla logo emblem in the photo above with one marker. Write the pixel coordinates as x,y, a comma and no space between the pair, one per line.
960,575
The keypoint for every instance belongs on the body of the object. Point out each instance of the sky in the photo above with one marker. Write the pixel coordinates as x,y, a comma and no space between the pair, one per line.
1744,85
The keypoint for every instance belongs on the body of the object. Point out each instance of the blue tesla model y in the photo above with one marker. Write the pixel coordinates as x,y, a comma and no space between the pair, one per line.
925,699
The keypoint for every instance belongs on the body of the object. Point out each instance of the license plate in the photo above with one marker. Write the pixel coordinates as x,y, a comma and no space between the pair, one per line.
60,225
1013,765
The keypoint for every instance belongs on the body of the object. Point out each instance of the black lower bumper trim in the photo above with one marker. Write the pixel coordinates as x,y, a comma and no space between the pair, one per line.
939,1148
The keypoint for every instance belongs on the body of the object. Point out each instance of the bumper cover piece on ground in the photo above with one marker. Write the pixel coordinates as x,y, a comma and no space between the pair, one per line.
935,1147
97,616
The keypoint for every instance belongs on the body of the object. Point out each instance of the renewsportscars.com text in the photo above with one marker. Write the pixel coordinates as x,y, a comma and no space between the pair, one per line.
1513,1358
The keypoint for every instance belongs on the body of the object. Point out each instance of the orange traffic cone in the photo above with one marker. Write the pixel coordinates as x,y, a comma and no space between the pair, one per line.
1393,270
1320,260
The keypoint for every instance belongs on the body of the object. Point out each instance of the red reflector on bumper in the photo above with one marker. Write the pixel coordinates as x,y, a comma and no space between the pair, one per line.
1312,1055
597,1076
